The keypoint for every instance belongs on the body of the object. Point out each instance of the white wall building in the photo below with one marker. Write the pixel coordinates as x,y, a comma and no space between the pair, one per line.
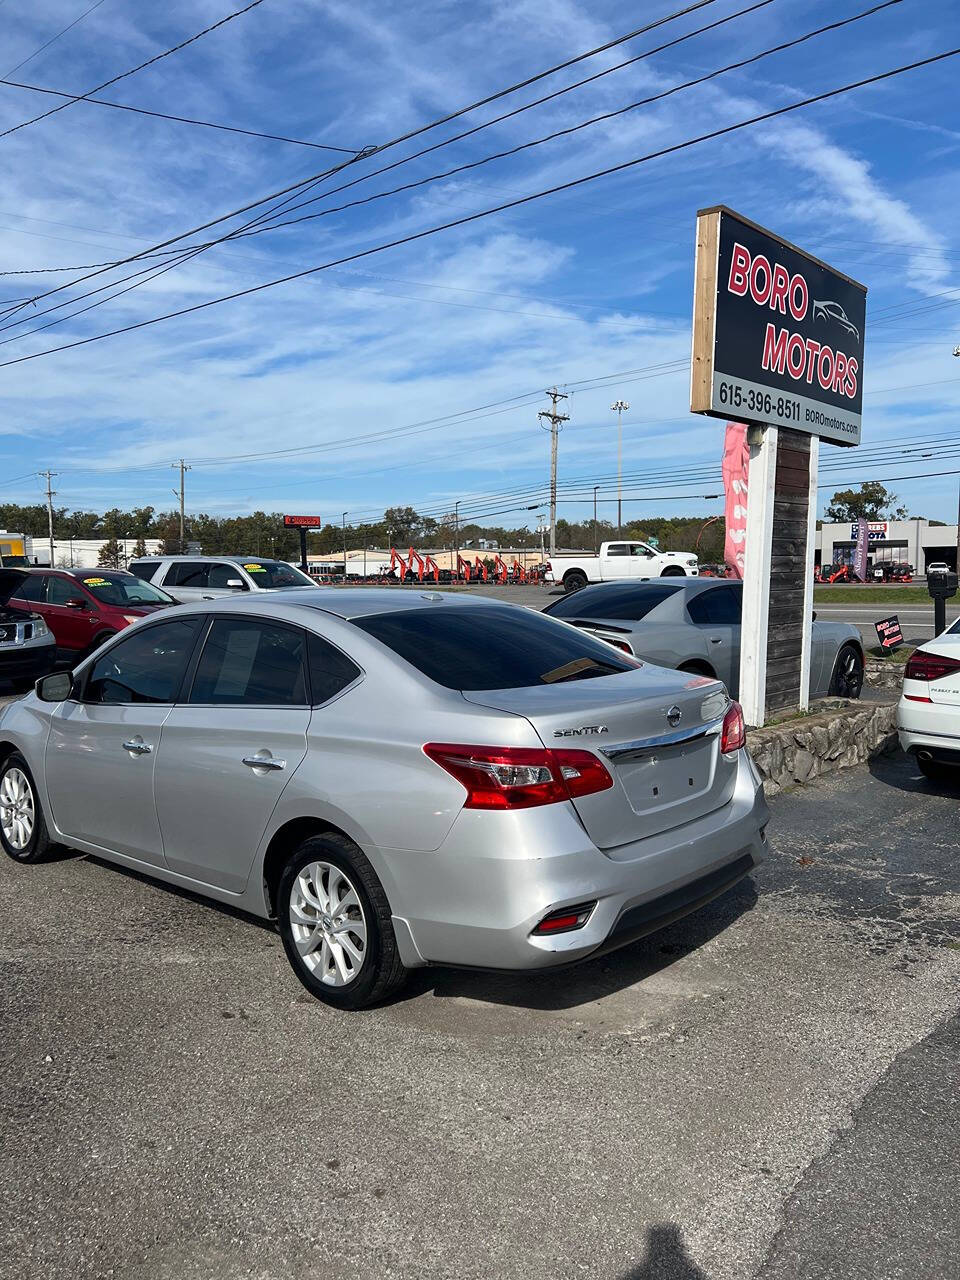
81,553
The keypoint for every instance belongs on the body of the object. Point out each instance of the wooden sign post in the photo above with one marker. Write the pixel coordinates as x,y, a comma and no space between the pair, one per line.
777,344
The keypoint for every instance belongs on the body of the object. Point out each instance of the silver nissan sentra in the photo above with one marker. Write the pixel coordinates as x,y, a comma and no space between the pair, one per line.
399,778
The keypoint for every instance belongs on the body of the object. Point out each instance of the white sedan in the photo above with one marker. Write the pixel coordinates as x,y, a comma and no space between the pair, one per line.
928,716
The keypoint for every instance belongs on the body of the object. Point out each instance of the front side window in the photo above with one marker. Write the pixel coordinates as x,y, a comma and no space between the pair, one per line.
249,662
640,549
499,647
222,575
270,574
148,666
60,590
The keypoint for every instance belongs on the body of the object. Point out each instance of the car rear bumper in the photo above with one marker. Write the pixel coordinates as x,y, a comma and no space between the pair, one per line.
933,726
476,900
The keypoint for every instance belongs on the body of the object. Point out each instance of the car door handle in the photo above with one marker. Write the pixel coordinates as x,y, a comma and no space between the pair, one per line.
138,747
263,762
716,639
208,597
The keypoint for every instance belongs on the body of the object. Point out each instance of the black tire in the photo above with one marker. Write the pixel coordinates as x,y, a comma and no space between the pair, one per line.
96,642
847,679
574,580
39,845
939,772
698,669
673,571
381,971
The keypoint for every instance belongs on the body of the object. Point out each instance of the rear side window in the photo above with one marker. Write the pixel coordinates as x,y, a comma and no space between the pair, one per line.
146,667
720,606
330,670
500,647
31,589
187,573
145,569
252,663
629,602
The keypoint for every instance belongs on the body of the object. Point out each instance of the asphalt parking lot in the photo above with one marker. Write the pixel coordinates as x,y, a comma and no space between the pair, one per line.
767,1089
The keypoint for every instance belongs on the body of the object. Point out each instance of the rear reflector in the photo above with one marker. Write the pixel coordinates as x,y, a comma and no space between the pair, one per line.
566,919
519,777
929,666
734,733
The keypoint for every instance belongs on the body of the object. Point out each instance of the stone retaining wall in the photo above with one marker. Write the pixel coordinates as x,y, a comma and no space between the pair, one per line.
881,674
843,734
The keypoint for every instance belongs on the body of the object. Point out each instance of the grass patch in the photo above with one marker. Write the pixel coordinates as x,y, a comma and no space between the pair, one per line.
868,594
896,657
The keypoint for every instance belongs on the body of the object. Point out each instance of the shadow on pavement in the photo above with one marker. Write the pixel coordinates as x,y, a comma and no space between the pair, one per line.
588,980
902,772
666,1257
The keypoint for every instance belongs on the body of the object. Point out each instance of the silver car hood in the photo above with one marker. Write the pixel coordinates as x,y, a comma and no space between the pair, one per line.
656,731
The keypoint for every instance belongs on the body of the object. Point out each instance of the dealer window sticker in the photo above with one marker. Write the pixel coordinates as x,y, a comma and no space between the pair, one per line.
254,568
96,582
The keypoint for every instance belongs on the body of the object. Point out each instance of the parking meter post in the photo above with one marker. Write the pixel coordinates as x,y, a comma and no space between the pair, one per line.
942,587
303,549
939,615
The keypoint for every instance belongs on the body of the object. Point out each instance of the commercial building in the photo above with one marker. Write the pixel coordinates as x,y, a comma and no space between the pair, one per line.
917,542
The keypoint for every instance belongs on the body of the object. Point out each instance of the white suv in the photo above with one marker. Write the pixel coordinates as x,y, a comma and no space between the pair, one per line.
190,578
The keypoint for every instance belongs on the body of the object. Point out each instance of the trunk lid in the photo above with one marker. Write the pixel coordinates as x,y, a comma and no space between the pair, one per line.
667,768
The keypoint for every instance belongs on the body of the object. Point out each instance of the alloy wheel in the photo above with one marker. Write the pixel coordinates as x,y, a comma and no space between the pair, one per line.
328,923
17,809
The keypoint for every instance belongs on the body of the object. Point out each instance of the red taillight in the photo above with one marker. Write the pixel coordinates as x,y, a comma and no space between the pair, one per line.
565,919
929,666
734,733
617,644
519,777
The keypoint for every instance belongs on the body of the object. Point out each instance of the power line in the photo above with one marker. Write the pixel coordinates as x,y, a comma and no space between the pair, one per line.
164,115
306,183
510,204
36,53
133,70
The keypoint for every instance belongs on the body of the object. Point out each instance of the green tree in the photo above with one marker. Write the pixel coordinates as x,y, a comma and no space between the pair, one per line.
872,501
111,555
140,549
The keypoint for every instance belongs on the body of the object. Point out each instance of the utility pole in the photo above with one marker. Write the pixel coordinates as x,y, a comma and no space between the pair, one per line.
554,418
51,493
618,407
179,493
456,538
595,547
343,523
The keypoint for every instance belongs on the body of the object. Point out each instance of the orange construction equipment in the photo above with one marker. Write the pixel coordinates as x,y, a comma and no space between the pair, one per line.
480,569
463,568
430,566
500,570
519,573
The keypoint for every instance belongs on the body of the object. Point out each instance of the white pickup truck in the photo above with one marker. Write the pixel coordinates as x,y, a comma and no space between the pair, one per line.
619,561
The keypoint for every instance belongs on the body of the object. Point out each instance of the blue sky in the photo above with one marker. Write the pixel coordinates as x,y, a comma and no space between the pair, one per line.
574,289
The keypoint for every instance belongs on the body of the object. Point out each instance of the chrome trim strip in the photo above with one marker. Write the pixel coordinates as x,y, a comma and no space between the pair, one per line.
642,745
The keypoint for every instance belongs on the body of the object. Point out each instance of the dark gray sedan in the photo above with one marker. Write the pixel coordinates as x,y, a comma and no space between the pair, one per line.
694,625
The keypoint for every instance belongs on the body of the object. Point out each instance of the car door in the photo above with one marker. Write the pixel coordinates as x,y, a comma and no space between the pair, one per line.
186,581
225,579
103,745
716,615
230,748
71,614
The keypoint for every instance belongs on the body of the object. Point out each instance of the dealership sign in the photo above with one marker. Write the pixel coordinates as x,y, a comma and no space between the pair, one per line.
876,530
777,334
303,522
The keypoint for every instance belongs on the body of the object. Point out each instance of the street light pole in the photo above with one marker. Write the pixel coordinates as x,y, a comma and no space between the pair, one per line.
343,522
456,535
618,407
595,548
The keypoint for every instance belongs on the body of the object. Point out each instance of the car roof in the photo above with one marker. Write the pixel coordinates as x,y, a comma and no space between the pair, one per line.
215,555
353,602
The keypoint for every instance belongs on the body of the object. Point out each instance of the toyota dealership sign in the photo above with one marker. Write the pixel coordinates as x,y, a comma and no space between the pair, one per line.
777,334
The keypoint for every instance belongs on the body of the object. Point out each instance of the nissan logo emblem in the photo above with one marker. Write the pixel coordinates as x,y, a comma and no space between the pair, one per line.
674,716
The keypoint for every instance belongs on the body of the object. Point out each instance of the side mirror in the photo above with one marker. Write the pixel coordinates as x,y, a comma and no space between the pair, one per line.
56,687
77,602
814,615
235,584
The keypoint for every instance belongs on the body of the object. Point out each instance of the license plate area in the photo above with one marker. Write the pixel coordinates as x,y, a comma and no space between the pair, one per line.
664,776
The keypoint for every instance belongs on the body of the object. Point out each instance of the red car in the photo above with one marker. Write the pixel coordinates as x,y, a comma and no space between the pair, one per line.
84,607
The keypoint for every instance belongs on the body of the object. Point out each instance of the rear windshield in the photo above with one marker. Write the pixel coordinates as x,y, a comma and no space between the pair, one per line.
500,647
129,589
274,573
629,601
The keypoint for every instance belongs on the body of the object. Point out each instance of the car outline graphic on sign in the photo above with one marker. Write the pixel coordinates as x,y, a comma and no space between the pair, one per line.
825,309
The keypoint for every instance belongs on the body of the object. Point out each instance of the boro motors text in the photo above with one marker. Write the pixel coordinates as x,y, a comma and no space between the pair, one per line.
785,352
